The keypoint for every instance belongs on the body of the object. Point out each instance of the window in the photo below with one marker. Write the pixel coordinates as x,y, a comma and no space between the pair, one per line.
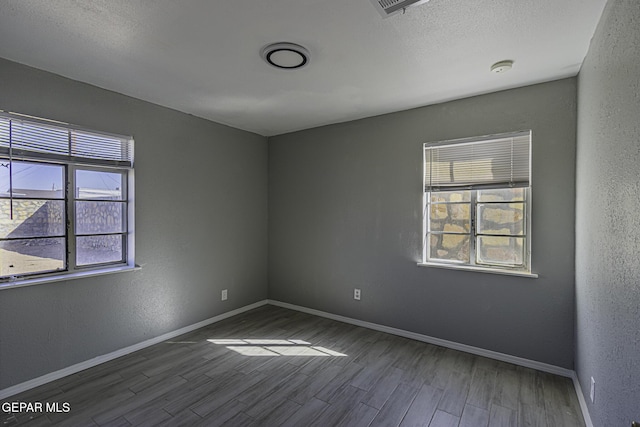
65,198
477,196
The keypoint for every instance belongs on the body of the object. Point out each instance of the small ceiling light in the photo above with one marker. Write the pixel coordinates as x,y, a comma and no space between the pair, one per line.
287,56
502,66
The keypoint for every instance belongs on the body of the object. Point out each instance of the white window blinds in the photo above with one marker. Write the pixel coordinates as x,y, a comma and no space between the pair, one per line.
488,162
27,138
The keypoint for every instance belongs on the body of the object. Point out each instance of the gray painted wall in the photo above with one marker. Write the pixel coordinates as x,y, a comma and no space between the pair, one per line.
345,212
608,218
201,198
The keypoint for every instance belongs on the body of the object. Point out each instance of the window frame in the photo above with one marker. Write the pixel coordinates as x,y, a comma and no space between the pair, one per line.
73,198
63,200
525,269
71,165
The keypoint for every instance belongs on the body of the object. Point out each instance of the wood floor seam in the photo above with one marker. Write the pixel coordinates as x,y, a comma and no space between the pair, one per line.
272,366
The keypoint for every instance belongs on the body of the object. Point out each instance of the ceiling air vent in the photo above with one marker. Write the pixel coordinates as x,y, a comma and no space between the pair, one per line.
391,7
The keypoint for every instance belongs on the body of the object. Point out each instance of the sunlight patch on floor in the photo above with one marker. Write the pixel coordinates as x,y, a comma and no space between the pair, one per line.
275,347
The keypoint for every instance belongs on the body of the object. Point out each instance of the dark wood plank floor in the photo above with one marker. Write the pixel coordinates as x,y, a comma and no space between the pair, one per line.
276,367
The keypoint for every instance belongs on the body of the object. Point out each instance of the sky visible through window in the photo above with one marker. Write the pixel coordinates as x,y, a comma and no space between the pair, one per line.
54,211
43,177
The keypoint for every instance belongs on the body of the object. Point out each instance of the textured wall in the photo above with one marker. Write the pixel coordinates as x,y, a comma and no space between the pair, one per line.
345,211
201,195
608,218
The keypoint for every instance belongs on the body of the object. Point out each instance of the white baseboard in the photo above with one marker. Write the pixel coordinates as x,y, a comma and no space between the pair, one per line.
527,363
583,403
19,388
557,370
27,385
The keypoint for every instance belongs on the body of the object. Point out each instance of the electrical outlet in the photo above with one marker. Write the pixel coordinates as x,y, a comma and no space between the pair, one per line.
224,295
592,393
356,294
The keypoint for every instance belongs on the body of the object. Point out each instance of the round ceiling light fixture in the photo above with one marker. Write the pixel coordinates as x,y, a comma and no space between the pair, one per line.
286,56
502,66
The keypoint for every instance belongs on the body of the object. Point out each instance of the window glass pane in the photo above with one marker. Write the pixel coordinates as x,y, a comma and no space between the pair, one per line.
450,217
449,247
100,217
99,185
501,195
28,256
450,196
32,180
506,251
501,218
32,218
99,249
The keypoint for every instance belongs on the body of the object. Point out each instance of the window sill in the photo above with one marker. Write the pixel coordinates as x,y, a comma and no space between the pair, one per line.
18,283
479,269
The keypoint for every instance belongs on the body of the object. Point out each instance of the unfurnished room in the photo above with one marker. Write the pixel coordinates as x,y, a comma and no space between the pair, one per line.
320,213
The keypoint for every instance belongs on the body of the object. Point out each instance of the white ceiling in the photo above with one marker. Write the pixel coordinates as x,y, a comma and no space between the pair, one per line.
203,56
